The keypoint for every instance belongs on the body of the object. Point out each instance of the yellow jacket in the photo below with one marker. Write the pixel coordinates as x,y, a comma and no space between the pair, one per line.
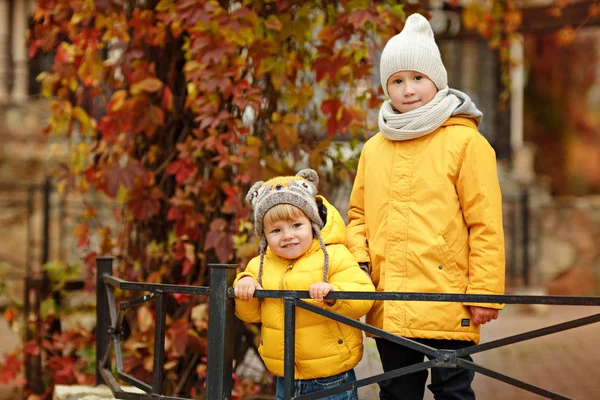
427,214
324,347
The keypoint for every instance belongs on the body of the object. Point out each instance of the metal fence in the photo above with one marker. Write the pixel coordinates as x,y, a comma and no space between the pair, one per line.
220,333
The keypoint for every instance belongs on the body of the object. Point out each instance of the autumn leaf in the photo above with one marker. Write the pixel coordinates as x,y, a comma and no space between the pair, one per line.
149,85
358,18
117,101
10,371
272,22
145,319
10,314
565,35
116,176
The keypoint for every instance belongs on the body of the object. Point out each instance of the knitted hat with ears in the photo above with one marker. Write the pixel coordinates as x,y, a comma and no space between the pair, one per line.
413,49
299,191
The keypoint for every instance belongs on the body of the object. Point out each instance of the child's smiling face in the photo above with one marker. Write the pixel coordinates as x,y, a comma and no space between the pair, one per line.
289,238
409,90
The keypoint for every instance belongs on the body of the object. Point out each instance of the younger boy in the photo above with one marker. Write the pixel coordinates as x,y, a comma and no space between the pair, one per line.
425,214
303,246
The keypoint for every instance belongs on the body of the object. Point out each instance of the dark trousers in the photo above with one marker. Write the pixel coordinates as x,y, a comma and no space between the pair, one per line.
446,383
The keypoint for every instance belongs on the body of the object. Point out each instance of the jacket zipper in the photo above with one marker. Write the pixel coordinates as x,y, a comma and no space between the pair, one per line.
289,267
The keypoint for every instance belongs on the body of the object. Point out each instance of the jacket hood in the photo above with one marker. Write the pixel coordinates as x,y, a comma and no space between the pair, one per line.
334,230
466,109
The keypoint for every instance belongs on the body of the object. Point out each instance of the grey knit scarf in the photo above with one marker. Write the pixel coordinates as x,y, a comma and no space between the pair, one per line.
424,120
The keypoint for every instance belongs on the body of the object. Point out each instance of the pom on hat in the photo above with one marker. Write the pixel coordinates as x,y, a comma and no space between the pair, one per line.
413,49
300,191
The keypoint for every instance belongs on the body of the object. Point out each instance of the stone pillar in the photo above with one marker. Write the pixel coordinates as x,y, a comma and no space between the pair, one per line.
20,60
4,60
517,80
469,69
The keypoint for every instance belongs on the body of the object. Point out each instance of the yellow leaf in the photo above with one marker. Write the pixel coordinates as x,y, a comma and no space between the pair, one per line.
278,79
152,153
117,100
76,18
191,66
83,185
165,5
253,141
84,120
122,195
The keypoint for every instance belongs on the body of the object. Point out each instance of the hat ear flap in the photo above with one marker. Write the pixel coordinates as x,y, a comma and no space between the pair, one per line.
253,192
310,175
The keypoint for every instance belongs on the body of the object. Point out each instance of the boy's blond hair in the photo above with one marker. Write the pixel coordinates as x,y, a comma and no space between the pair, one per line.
282,212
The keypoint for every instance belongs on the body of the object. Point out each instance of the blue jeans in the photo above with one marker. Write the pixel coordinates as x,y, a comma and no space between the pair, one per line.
315,385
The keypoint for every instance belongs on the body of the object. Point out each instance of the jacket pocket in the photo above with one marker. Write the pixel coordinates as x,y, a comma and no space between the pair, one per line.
449,266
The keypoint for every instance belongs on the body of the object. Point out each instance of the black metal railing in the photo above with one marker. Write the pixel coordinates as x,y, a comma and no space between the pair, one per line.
220,333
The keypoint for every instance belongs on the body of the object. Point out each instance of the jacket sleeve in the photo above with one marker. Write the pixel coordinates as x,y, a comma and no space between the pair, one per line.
481,200
356,229
346,276
248,310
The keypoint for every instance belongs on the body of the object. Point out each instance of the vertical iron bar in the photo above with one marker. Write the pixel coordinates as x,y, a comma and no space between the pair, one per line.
220,333
30,247
103,267
47,187
513,224
525,216
289,348
159,344
61,226
28,287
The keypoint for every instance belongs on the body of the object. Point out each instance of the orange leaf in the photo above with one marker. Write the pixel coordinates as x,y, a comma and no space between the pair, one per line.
291,119
10,314
272,22
286,135
149,85
565,35
167,99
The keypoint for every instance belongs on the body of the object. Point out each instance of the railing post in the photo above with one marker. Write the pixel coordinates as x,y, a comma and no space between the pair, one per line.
289,343
103,267
46,190
159,344
220,333
525,216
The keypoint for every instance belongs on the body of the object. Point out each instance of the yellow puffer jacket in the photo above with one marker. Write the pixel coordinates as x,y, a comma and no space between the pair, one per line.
427,214
324,347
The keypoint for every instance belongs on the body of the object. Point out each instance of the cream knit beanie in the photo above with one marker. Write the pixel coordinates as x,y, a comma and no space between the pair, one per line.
413,49
299,191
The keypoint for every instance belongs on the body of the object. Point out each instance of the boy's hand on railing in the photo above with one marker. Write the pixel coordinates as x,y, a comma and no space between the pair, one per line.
245,288
481,315
319,290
